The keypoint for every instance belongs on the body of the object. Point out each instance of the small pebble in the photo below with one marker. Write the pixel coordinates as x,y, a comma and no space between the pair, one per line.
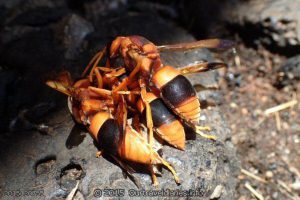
287,151
296,140
269,174
244,111
275,195
233,105
217,192
202,117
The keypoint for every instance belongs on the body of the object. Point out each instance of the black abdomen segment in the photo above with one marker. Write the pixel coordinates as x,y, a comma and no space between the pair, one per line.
160,113
178,90
108,136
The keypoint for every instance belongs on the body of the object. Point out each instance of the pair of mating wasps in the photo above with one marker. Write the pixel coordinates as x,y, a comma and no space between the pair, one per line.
134,83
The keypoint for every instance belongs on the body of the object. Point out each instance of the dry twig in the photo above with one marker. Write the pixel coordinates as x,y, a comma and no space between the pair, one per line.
73,192
254,192
278,121
280,107
243,171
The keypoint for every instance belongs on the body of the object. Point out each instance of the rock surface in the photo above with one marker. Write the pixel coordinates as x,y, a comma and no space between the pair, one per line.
271,23
52,163
289,73
275,23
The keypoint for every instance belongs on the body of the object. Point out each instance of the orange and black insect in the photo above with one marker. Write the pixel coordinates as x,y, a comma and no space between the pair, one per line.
165,122
90,107
142,61
129,145
97,100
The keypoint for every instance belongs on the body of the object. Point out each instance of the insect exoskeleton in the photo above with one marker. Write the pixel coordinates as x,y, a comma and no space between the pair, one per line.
135,50
175,89
165,123
178,93
128,146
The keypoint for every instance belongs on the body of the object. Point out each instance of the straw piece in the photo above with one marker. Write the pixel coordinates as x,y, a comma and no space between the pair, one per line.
280,107
243,171
278,121
73,191
254,192
285,186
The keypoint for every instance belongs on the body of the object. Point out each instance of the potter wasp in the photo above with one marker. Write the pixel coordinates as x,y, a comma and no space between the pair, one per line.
134,84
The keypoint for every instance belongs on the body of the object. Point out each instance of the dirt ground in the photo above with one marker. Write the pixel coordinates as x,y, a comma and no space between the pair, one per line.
267,144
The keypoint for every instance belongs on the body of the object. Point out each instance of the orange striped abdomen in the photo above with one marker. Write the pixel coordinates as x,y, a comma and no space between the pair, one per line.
178,93
106,132
189,110
165,123
173,133
132,146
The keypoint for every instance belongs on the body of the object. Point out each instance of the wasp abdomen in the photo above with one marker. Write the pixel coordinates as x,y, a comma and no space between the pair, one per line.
178,91
108,136
160,113
165,124
105,131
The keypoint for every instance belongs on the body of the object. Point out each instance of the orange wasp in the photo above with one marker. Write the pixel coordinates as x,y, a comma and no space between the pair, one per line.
165,123
142,62
93,107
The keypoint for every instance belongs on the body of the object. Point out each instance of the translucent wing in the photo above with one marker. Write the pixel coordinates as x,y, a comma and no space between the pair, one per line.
209,43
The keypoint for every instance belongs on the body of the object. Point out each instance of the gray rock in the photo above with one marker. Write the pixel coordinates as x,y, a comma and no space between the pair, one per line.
72,31
275,23
32,10
205,17
289,73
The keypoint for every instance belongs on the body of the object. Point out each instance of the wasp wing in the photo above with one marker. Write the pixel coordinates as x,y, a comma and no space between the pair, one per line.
201,67
209,43
63,83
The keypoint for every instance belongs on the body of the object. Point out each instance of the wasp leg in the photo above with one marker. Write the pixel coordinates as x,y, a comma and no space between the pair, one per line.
199,129
166,164
122,114
99,91
96,63
96,59
128,92
116,73
201,67
99,78
105,69
127,80
154,178
203,128
149,119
